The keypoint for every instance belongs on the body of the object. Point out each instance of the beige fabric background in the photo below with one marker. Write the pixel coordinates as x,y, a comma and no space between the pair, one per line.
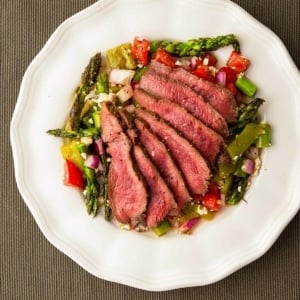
31,268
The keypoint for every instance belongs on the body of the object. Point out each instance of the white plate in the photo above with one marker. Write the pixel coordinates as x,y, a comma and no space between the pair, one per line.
238,235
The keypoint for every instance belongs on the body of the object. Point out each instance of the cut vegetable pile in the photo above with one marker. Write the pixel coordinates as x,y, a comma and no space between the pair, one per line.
160,136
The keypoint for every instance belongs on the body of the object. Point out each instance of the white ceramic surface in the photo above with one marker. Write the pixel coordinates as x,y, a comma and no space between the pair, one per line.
238,235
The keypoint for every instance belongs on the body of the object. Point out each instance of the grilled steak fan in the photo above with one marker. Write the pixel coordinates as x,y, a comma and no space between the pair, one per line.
162,136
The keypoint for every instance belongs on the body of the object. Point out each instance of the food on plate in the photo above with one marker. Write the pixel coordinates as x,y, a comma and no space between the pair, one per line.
162,136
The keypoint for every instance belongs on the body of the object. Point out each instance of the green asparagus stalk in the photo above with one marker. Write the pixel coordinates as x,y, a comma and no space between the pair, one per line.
162,228
74,134
264,140
244,84
237,191
243,140
87,82
196,47
138,74
91,191
247,114
89,76
102,83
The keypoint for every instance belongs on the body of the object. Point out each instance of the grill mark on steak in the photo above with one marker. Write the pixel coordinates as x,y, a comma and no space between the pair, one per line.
193,166
220,98
126,190
161,199
162,87
165,164
207,141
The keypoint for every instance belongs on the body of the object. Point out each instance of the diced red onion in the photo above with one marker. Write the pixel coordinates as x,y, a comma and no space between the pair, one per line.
248,166
92,161
221,78
183,62
194,62
99,146
205,61
188,225
252,153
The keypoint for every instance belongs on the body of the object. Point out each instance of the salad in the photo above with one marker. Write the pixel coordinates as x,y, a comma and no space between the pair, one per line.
160,136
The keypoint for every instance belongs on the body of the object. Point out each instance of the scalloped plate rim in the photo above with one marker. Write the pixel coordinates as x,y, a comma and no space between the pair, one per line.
55,238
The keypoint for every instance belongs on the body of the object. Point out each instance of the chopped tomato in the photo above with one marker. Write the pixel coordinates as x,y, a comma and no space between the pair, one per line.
73,175
214,189
197,198
165,58
211,202
209,59
238,62
140,50
231,87
204,72
231,74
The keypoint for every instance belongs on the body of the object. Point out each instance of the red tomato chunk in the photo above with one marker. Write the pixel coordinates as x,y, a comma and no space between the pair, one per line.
238,62
165,58
140,50
73,175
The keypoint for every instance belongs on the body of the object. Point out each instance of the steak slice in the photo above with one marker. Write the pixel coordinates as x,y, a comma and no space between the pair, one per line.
165,164
161,199
193,166
159,68
126,190
111,127
206,140
220,98
162,87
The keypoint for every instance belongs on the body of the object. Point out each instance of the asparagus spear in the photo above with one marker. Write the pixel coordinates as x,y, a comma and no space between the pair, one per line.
243,140
102,83
91,72
265,139
91,191
87,82
74,134
244,84
238,190
104,191
196,46
247,114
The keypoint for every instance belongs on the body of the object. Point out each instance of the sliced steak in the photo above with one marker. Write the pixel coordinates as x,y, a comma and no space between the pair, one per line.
206,140
161,199
165,164
193,166
126,190
220,98
111,127
162,87
159,68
